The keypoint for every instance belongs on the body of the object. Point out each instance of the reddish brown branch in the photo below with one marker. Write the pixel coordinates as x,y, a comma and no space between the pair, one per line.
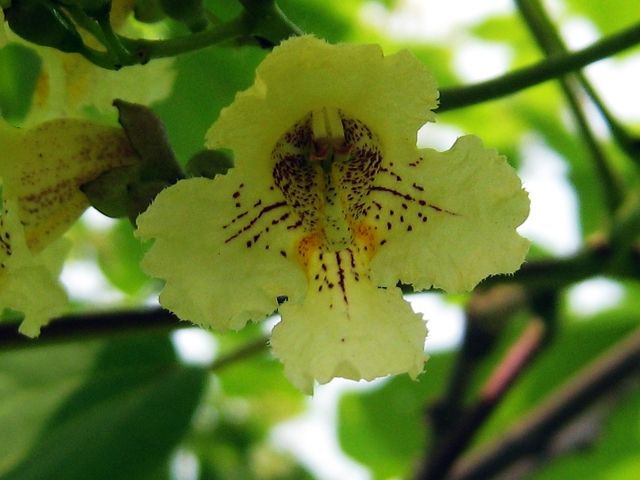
527,438
517,359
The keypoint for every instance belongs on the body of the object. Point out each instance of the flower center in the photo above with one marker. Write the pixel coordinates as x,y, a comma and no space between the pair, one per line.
325,165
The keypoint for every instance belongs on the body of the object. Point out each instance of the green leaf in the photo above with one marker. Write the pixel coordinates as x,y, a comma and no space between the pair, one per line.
609,16
261,383
331,20
512,32
615,453
120,420
119,259
32,386
44,24
19,70
207,81
386,429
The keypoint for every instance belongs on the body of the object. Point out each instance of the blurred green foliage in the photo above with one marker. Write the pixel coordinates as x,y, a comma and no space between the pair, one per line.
97,409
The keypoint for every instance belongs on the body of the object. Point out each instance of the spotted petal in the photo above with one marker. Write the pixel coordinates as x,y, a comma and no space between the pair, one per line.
41,170
305,74
453,213
347,327
223,248
44,166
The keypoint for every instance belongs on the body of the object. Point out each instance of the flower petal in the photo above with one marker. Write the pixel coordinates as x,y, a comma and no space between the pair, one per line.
305,74
224,248
347,327
28,281
448,219
43,168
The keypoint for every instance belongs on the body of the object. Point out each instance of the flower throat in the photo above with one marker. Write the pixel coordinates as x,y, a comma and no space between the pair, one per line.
325,165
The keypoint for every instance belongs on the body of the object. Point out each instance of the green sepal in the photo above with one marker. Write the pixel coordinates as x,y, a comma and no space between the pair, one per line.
148,136
141,195
128,191
43,23
110,193
120,193
209,163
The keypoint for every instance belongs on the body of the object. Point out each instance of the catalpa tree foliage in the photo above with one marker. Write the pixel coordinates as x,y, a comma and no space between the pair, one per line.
248,161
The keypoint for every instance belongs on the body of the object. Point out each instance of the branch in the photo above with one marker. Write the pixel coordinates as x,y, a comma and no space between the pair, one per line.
487,313
550,42
556,66
517,359
145,50
241,353
619,258
91,325
528,437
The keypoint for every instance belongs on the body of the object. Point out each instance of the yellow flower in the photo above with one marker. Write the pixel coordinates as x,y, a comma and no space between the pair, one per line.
41,170
331,204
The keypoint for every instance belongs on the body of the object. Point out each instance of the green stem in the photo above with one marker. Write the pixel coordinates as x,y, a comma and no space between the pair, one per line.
556,66
86,22
627,142
268,21
145,50
101,59
113,43
246,351
551,43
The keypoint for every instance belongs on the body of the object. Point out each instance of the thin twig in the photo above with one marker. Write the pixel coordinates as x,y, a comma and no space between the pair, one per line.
248,350
608,371
556,66
549,39
550,42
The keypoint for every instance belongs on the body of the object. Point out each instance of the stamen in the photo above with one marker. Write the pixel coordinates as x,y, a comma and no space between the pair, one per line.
328,133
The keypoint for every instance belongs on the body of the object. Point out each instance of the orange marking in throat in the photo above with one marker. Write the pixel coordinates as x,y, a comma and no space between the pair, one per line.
307,246
365,237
